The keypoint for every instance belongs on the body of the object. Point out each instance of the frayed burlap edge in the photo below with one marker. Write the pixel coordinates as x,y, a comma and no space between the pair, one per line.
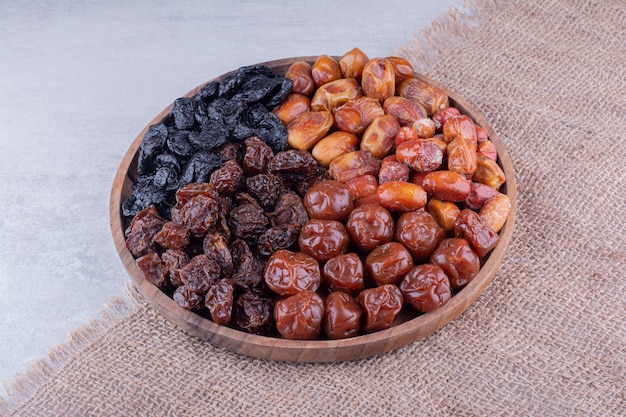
23,386
446,31
423,50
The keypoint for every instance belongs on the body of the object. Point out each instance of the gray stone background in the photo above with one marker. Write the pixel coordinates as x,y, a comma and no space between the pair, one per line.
78,81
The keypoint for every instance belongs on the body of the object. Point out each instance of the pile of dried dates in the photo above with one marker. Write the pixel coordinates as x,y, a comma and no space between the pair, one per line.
318,203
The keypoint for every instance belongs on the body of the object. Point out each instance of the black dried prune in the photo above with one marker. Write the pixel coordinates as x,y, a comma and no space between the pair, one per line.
167,172
265,188
145,195
178,143
247,221
142,230
293,165
257,156
215,247
183,113
227,178
273,132
288,210
200,273
212,135
265,90
209,92
200,167
232,83
275,238
280,94
152,144
253,312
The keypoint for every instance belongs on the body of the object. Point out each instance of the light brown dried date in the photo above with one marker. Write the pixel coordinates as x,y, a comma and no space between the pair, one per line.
393,170
401,196
353,164
429,96
406,111
462,156
324,70
305,131
444,212
355,115
352,63
447,186
333,146
401,68
335,93
380,136
292,108
489,172
362,186
300,72
379,79
495,211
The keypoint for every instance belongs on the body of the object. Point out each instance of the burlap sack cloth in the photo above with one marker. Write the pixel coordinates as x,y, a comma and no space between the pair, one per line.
546,338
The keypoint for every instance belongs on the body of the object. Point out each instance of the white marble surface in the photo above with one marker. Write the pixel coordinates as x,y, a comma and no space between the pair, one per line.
78,81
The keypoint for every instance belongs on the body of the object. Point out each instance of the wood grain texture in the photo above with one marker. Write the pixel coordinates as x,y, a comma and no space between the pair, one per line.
407,328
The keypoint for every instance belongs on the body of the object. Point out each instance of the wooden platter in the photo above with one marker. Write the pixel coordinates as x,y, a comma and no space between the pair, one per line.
407,328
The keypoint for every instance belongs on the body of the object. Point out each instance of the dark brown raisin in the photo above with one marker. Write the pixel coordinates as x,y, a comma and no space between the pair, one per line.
144,227
252,312
288,210
153,268
187,298
198,214
200,273
227,178
231,151
215,247
248,271
219,301
293,165
265,188
173,236
174,261
247,222
257,156
275,238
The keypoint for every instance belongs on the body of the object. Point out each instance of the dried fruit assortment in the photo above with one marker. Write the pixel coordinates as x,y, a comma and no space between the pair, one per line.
318,204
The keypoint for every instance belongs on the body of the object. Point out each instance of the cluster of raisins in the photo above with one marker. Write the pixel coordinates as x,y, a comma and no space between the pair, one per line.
210,255
188,144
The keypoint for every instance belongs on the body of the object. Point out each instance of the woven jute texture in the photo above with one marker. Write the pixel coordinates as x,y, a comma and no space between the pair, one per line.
548,335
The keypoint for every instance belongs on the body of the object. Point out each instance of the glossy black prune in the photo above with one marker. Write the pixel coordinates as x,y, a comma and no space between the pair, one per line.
233,82
178,143
211,135
183,113
200,167
151,145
